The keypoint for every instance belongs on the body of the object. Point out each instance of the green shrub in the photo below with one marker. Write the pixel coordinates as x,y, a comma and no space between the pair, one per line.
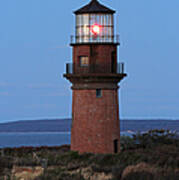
155,137
104,159
117,171
59,174
100,169
127,142
139,176
6,162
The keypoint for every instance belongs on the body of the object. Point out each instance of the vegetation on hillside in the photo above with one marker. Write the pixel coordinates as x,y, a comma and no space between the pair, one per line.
153,155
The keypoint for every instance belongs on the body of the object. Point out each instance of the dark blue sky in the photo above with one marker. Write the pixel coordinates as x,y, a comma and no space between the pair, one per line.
34,47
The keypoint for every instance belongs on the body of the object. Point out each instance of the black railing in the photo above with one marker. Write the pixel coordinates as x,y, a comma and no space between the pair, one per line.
91,69
94,39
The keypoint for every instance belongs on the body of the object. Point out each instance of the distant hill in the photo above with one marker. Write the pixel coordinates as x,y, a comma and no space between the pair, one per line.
64,125
55,125
145,125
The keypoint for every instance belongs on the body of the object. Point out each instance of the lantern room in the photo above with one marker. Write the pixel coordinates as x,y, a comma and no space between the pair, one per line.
94,24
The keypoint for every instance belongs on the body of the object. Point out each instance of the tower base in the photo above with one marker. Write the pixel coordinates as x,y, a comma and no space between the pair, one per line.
95,125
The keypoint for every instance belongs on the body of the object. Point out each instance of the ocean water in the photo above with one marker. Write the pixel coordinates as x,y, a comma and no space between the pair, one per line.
35,134
38,139
34,139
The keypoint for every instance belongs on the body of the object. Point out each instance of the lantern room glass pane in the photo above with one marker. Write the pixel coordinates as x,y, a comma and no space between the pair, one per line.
85,19
85,24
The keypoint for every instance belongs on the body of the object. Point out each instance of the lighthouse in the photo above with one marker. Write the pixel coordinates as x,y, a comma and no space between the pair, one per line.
95,73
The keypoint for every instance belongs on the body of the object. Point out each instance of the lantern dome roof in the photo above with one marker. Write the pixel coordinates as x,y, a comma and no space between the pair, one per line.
94,7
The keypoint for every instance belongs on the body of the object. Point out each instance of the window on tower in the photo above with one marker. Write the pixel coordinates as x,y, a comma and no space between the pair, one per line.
98,93
84,61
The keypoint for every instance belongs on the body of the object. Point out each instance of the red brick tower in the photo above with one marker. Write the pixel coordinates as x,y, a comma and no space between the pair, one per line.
95,75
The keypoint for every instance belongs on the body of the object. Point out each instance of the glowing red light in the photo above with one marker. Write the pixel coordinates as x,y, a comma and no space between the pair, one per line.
96,29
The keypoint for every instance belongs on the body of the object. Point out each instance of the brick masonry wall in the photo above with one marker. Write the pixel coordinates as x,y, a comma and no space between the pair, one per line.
100,55
95,123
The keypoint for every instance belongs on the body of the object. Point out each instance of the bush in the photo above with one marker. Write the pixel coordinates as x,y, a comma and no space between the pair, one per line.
104,159
59,174
127,142
100,169
117,171
6,163
139,176
156,137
